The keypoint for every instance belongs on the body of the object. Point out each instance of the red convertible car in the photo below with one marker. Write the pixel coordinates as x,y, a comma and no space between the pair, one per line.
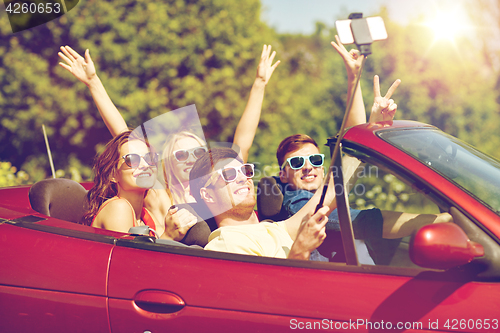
60,276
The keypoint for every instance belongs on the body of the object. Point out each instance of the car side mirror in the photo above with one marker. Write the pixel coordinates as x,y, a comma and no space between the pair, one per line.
443,246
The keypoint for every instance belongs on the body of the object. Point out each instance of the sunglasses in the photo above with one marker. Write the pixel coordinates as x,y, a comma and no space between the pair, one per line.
134,160
298,162
182,155
229,174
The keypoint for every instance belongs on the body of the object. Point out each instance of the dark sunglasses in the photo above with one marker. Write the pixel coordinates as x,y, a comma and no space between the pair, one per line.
134,160
182,155
298,162
229,174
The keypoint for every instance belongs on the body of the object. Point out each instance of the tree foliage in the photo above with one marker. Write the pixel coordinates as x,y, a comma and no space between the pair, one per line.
152,58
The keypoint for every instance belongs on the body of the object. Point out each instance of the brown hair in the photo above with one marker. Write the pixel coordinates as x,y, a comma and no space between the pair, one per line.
105,167
291,144
204,166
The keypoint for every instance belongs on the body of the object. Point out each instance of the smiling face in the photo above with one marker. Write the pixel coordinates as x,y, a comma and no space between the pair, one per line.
308,177
236,197
181,169
134,179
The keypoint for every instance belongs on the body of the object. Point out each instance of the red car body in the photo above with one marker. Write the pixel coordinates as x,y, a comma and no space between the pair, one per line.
58,276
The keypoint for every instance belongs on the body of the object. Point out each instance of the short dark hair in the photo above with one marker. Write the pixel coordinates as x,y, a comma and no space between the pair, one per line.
204,166
292,143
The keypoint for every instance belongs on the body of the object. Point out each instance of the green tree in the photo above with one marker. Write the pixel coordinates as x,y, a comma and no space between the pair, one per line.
9,176
152,57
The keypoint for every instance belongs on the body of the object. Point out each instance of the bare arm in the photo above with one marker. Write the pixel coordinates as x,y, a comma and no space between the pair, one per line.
116,216
383,109
84,70
352,62
247,126
398,224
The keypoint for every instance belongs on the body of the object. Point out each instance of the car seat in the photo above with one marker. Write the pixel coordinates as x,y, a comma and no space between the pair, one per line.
270,199
61,198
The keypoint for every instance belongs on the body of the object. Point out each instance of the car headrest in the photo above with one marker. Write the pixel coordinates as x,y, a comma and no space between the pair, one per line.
202,212
270,199
61,198
197,234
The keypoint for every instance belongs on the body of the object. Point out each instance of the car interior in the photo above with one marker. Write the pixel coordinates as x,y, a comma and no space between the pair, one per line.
65,199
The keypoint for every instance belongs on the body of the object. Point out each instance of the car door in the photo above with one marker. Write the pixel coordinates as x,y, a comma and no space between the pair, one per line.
157,287
52,279
460,298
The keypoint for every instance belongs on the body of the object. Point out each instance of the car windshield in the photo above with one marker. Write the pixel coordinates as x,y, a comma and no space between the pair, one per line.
464,165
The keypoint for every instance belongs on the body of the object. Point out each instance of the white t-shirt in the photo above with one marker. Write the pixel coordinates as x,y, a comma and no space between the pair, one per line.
263,239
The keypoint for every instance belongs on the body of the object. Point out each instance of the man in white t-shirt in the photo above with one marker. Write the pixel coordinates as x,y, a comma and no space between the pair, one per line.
224,184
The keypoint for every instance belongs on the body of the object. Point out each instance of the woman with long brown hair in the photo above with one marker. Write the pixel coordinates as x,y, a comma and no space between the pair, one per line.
124,173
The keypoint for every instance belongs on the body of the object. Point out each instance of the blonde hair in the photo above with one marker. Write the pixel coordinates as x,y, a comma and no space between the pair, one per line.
171,180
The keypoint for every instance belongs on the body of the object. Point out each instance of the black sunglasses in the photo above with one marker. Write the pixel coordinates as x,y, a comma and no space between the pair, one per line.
134,160
182,155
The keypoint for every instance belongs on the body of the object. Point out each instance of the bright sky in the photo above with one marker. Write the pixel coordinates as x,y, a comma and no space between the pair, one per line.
298,16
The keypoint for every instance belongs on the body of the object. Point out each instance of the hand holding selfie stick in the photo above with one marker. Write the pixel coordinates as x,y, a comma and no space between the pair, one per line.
362,36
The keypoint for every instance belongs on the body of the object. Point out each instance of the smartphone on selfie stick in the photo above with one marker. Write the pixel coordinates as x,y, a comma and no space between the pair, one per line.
362,32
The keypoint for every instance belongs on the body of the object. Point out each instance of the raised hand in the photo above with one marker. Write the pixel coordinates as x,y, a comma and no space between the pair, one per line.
247,126
82,68
266,68
383,108
352,59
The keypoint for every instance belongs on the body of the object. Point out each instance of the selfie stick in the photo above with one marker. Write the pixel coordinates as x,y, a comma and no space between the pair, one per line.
336,151
48,152
362,36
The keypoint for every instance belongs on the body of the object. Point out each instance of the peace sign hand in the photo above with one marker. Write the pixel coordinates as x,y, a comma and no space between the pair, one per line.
383,108
82,68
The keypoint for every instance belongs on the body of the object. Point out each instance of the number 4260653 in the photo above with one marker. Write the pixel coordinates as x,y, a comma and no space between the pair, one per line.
33,8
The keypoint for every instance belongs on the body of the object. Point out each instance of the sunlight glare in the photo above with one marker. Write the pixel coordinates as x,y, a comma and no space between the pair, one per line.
446,27
450,25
